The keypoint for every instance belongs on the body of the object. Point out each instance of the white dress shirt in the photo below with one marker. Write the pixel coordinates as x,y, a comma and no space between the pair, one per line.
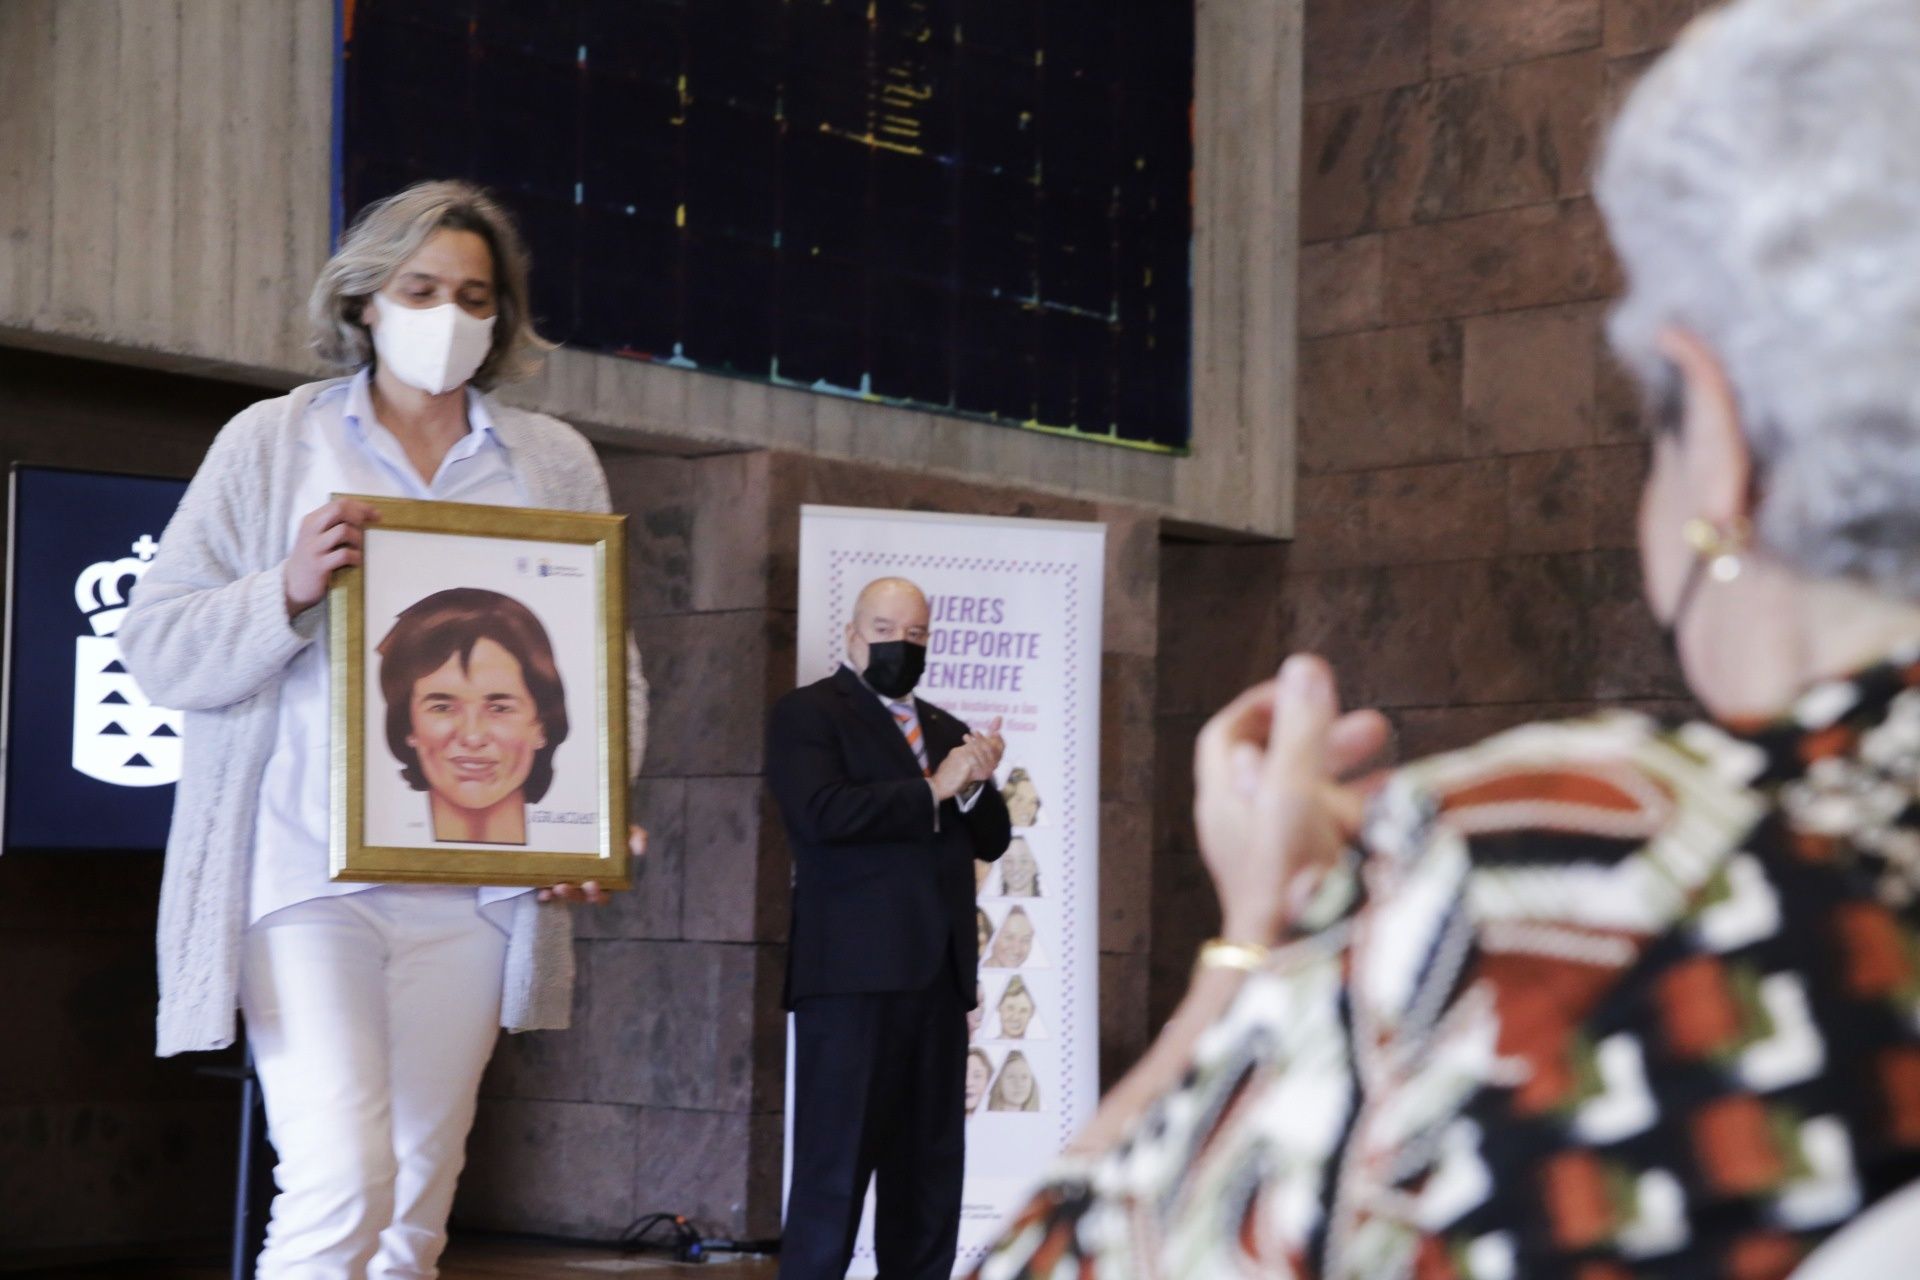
344,449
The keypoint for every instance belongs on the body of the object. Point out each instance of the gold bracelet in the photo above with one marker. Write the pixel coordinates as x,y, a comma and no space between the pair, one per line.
1218,953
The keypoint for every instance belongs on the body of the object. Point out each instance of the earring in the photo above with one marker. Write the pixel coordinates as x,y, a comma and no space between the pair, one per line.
1720,548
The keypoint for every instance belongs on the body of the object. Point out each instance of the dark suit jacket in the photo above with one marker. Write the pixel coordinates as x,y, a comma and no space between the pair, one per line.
881,900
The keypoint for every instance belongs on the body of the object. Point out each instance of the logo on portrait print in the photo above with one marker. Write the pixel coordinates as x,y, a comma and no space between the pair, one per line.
119,736
545,568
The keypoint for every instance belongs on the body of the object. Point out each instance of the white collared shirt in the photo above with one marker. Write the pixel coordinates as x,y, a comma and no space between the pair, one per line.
344,449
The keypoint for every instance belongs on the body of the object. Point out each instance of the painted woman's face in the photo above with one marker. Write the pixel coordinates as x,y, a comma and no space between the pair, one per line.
981,870
474,728
977,1073
1018,870
1016,1011
983,926
1023,803
978,1013
1016,1082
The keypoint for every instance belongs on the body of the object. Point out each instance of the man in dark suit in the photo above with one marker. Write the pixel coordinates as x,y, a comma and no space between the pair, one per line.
887,801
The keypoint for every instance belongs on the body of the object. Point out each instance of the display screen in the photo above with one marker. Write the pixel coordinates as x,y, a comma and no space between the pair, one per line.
90,763
980,207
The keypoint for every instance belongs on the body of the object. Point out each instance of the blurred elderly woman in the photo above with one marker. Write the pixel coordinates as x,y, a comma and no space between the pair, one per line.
1603,998
370,1010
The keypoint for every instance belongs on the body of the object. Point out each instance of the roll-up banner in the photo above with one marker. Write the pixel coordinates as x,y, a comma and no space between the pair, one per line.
1016,613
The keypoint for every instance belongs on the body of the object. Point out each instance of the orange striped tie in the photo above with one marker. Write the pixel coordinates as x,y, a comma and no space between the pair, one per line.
910,725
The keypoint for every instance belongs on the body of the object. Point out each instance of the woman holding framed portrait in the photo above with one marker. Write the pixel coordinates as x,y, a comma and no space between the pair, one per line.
372,1008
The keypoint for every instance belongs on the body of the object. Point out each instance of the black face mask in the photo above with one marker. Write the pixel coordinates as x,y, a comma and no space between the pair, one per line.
894,666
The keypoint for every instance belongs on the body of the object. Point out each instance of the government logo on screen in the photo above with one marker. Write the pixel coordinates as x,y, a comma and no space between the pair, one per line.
119,736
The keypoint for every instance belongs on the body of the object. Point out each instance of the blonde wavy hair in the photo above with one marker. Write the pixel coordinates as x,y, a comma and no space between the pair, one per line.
390,231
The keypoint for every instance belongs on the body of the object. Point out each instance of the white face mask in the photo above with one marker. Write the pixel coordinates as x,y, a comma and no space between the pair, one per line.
433,348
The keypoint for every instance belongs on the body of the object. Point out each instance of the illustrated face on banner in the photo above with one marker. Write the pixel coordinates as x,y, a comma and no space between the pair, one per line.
1019,871
977,1014
1016,1010
983,926
979,1072
1022,797
1014,943
1016,1089
471,689
981,870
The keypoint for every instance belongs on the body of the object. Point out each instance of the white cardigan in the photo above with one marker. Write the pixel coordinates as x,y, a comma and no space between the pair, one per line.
207,633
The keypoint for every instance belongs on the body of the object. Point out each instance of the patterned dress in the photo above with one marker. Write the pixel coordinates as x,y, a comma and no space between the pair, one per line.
1600,999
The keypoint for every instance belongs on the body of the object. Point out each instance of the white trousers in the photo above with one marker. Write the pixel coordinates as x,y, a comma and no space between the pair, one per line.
371,1017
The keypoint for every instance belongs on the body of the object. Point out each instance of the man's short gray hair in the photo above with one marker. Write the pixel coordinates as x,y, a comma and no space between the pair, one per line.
1762,188
390,231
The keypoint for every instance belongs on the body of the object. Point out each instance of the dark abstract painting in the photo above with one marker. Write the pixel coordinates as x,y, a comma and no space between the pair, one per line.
979,207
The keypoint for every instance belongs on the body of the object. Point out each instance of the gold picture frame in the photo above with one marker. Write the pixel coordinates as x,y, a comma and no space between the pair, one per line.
427,794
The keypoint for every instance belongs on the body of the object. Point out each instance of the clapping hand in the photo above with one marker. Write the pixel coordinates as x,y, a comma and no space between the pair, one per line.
1275,801
971,763
984,752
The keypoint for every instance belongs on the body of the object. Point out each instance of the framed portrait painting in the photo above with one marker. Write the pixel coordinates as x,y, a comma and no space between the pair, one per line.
479,708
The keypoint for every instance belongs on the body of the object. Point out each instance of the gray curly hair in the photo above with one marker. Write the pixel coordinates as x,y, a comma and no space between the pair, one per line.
390,231
1762,189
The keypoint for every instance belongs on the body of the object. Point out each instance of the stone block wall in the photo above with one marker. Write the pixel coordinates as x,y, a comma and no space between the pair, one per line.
1470,460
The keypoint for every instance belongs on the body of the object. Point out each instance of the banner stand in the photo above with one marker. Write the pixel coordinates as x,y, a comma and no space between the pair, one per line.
1016,629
